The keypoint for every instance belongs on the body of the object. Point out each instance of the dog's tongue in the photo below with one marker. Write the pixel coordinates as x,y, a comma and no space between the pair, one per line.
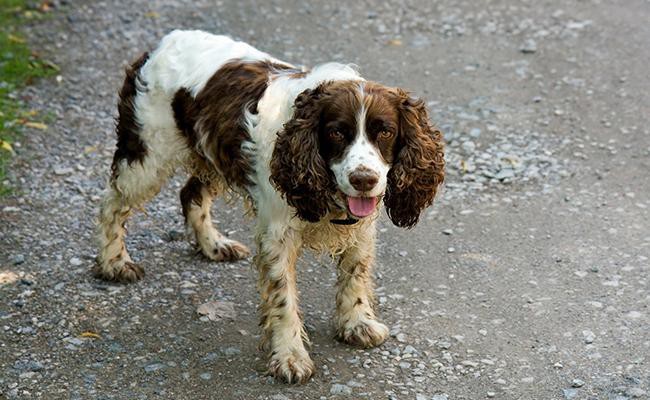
362,206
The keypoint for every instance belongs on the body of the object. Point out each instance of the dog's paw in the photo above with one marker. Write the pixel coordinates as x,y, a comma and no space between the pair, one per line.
366,333
225,250
120,271
292,367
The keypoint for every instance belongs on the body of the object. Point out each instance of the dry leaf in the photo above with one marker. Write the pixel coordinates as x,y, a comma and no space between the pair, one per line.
394,42
36,125
15,39
89,334
6,146
217,310
152,14
7,277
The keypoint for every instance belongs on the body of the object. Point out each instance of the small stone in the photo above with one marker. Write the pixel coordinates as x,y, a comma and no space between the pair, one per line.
569,393
451,250
589,336
475,132
28,365
491,394
401,337
19,259
231,351
469,147
154,367
421,397
62,170
206,376
338,388
442,396
410,350
403,253
636,392
448,232
279,397
529,47
577,383
75,261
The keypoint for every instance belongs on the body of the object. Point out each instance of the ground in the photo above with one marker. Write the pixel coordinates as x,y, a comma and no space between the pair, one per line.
527,279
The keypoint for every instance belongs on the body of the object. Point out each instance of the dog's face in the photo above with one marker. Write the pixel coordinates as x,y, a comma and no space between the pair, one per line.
349,144
358,129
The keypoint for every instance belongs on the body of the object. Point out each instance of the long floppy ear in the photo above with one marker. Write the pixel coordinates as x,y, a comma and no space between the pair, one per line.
297,168
419,167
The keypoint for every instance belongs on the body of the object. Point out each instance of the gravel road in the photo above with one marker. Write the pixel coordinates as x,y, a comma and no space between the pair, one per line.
529,279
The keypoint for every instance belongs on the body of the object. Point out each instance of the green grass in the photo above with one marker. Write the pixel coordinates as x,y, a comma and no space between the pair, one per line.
18,67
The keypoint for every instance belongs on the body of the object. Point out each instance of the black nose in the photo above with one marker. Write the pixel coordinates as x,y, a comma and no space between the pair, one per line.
363,179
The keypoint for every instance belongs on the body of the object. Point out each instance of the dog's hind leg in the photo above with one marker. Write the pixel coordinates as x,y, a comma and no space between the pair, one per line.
196,199
131,185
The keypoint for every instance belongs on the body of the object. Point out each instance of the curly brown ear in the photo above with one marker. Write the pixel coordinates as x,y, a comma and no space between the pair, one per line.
297,168
419,167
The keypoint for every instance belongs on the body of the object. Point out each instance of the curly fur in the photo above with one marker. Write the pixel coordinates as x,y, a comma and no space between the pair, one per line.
297,168
419,168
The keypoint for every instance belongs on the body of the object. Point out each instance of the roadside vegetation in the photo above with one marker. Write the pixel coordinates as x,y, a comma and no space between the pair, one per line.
19,66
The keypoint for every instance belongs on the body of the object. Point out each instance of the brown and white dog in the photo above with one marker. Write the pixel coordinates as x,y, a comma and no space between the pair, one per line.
314,151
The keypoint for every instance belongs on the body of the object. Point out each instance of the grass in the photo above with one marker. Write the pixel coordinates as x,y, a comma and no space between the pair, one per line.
19,67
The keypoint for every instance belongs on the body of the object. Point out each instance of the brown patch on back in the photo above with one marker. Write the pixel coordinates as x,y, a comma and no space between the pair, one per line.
129,144
212,121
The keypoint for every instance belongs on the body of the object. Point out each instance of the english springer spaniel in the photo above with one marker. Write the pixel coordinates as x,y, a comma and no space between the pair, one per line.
313,151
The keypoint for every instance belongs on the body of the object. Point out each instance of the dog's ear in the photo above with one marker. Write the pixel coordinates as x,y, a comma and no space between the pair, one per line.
298,170
419,167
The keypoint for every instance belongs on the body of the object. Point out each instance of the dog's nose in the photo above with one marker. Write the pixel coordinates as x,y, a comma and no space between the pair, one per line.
363,179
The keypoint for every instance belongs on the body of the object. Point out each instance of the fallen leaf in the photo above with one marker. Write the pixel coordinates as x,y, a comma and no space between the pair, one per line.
6,146
51,65
8,277
217,310
152,14
36,125
394,42
89,334
15,39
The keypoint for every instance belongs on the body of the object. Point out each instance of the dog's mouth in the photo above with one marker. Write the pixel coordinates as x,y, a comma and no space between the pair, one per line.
361,207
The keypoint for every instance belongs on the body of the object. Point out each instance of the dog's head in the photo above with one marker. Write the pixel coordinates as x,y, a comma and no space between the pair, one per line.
349,144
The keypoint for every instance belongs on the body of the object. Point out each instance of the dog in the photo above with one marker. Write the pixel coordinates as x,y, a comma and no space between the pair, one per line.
313,152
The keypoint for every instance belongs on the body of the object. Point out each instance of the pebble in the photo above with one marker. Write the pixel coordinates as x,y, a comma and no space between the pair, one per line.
401,337
636,393
18,259
339,388
154,367
75,261
569,393
206,376
28,365
442,396
588,336
577,383
62,170
448,232
529,47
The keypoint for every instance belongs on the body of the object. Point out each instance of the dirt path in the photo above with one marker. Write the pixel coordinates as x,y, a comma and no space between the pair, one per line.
528,280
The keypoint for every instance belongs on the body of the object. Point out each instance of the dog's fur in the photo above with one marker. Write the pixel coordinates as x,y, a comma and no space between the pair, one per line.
315,153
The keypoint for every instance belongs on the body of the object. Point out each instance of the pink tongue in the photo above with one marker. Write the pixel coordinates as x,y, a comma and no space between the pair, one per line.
362,206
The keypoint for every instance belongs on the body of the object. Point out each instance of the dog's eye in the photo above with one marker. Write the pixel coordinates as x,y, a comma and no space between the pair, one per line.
386,134
336,136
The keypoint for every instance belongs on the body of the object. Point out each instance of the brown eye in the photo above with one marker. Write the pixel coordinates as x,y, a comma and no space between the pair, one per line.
336,136
386,134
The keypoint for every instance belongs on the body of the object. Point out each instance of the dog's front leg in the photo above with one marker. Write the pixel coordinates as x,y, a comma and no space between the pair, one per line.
283,331
356,322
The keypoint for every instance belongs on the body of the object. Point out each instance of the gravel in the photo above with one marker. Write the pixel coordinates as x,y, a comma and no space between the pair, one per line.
539,235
